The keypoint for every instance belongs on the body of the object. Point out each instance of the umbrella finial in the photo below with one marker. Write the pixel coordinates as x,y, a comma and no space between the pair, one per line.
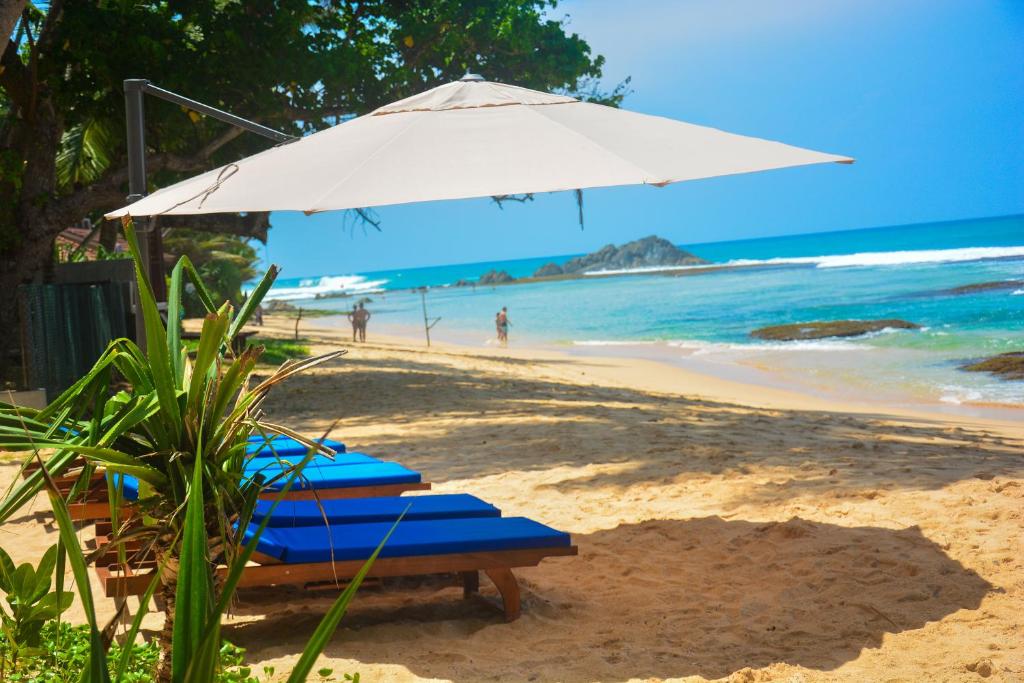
472,77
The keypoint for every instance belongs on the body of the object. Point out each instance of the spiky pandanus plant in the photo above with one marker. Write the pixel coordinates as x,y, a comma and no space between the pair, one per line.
180,428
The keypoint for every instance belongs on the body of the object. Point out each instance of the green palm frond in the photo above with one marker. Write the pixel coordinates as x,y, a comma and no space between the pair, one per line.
86,151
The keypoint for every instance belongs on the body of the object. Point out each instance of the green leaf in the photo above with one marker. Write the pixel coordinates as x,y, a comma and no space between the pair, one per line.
255,297
211,339
96,671
23,583
50,606
44,573
156,334
201,289
84,153
32,484
193,597
133,631
6,571
174,349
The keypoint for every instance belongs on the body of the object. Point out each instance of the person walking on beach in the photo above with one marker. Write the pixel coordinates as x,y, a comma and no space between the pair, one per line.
502,323
362,317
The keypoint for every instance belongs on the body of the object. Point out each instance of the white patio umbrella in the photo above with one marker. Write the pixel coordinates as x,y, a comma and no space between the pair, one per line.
471,138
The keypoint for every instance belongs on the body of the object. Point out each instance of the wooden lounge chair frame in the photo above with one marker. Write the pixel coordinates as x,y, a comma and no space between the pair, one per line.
95,504
119,581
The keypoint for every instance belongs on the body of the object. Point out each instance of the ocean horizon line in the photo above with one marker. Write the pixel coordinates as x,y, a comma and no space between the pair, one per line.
682,245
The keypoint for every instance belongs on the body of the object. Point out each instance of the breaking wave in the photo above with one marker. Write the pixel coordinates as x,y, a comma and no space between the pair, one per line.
860,259
326,286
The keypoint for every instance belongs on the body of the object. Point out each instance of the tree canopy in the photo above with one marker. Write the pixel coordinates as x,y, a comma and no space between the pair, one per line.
293,65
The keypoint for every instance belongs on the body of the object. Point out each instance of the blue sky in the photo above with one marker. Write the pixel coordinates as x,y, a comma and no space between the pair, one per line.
928,95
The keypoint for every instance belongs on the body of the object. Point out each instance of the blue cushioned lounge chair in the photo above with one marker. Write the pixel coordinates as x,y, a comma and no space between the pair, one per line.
285,445
319,554
352,475
303,513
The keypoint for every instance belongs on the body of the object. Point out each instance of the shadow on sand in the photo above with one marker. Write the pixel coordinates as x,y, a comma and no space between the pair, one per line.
498,423
658,599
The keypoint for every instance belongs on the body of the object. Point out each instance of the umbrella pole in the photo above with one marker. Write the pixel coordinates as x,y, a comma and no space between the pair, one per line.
151,244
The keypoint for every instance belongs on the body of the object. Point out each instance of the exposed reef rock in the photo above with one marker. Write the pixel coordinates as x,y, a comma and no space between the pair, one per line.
495,277
833,328
548,270
984,287
648,252
1006,365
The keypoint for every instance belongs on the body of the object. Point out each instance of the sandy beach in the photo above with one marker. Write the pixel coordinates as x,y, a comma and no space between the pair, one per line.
725,531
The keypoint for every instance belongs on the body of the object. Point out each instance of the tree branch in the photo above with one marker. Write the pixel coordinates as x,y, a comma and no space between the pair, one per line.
211,148
10,10
15,78
250,225
299,114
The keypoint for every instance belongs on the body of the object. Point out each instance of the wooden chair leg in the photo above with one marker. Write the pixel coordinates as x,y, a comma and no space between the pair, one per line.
508,586
470,583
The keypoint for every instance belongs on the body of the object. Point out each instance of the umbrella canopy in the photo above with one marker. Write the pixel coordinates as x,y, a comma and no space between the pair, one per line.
471,138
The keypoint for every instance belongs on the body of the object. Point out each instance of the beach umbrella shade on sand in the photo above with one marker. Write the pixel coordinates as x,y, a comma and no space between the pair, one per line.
471,138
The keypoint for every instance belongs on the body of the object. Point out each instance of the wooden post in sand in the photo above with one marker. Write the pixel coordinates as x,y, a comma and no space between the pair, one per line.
427,324
297,319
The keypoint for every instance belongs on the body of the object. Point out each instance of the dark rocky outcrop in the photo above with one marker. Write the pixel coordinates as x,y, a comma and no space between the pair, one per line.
984,287
495,277
1006,365
548,270
644,253
832,328
463,283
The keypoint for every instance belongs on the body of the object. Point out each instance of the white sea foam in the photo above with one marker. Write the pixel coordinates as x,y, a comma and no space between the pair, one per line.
602,342
647,269
1017,292
956,395
860,259
700,348
327,285
895,258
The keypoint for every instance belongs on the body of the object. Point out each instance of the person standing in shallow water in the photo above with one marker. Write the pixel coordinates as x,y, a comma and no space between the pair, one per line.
502,323
363,317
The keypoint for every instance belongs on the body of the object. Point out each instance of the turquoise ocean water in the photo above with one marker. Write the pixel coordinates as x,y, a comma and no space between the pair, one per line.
703,319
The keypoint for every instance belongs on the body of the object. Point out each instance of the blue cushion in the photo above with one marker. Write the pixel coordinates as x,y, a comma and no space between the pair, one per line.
292,513
413,538
285,445
269,461
345,476
130,491
319,477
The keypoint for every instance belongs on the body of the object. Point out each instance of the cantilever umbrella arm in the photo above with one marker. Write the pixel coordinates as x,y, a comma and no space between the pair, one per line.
134,89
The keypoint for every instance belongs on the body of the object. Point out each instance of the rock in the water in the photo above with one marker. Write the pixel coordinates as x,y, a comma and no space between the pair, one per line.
645,253
1006,365
548,270
833,328
984,287
463,283
495,277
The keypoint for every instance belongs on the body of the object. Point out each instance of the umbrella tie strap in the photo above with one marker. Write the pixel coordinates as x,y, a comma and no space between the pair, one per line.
225,173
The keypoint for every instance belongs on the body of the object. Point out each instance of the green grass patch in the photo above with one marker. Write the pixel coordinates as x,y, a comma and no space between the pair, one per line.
65,653
306,313
278,351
